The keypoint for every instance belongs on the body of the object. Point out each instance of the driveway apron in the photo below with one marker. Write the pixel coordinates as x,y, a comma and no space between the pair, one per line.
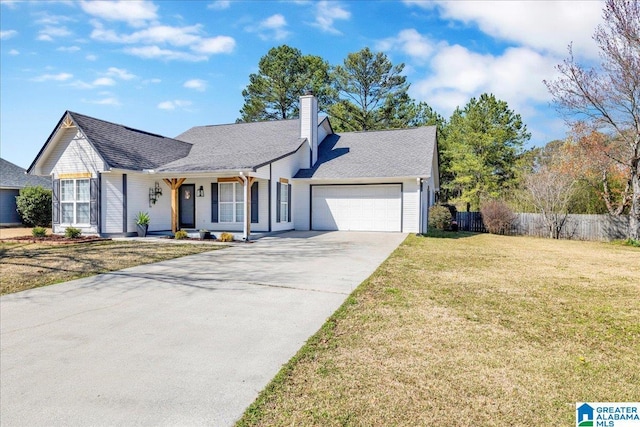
190,341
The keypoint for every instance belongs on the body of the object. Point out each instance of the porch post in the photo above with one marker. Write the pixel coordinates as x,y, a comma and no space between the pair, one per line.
246,229
174,184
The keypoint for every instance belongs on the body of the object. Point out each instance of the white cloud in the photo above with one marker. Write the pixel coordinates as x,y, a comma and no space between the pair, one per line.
7,34
68,49
134,13
172,105
547,26
411,43
154,52
219,5
60,77
120,73
91,57
328,12
272,28
111,100
49,32
46,19
104,81
11,4
153,81
196,84
213,45
459,74
14,52
153,37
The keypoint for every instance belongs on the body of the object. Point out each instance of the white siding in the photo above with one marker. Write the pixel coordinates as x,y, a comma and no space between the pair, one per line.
111,203
72,154
286,168
410,206
138,186
301,205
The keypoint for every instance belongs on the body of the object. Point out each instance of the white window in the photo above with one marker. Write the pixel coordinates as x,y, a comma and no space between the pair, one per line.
284,202
231,202
75,201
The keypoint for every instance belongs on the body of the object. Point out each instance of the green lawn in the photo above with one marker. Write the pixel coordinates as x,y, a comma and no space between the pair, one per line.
474,330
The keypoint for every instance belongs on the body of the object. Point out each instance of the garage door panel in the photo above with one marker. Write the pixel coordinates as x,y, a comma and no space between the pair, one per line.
357,207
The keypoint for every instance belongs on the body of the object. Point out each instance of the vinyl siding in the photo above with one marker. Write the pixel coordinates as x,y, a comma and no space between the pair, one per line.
72,154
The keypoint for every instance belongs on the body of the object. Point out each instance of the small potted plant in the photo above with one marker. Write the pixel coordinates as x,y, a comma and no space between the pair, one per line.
142,223
204,234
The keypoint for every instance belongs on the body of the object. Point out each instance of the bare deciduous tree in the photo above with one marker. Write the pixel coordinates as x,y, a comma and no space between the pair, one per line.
608,98
551,193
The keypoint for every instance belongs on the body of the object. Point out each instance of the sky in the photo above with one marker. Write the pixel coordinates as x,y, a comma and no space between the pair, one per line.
166,66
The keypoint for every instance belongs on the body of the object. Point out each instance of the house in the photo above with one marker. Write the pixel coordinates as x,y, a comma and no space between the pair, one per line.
246,177
13,178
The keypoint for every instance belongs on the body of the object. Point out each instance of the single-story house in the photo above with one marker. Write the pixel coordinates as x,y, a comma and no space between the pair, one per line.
244,177
13,178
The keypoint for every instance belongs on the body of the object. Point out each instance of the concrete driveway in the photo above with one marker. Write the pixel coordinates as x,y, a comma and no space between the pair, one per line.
190,341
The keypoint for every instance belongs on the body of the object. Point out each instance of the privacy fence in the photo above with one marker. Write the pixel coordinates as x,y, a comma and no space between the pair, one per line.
576,227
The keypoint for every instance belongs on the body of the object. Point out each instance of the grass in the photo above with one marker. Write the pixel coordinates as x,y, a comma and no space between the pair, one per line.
472,330
27,266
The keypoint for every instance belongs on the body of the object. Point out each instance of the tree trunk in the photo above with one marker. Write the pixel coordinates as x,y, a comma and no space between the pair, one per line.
634,214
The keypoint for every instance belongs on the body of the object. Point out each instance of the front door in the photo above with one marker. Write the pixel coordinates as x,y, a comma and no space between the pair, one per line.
187,207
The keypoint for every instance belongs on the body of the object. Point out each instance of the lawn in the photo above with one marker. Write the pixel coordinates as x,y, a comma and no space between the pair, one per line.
25,266
477,330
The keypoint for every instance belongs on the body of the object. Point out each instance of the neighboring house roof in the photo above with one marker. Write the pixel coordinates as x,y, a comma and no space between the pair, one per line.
237,146
127,148
387,153
13,176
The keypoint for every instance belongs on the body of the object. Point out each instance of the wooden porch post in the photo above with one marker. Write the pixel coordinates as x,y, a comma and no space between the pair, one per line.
174,184
247,204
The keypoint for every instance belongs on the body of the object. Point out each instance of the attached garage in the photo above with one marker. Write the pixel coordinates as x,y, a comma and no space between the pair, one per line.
357,207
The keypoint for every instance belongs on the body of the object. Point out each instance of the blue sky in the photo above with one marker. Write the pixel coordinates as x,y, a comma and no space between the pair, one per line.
165,66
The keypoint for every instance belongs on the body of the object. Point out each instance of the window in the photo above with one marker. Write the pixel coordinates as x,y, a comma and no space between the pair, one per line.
284,202
75,201
231,202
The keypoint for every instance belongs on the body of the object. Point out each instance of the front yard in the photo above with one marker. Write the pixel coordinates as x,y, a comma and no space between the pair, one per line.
475,330
30,265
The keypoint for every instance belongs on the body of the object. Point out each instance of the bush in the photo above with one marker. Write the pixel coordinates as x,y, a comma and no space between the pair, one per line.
632,242
72,233
39,232
180,234
34,206
497,216
226,237
439,217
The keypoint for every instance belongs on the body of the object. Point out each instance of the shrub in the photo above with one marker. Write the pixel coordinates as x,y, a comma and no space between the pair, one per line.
39,232
497,216
34,206
226,237
180,234
72,233
632,242
439,217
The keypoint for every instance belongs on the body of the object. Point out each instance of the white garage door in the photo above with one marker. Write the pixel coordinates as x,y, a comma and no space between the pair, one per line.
356,207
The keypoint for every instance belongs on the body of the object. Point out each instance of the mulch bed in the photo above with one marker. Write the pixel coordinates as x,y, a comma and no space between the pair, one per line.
55,239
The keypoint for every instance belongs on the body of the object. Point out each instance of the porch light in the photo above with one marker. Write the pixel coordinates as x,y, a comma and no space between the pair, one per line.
154,193
201,191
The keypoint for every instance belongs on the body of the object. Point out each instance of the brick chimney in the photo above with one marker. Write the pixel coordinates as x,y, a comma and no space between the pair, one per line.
309,124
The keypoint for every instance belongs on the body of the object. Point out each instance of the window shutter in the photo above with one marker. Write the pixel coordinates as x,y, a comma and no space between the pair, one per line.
55,208
278,201
254,202
94,198
214,202
289,202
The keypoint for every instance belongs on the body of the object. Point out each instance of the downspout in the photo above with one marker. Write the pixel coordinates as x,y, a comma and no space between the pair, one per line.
247,215
420,207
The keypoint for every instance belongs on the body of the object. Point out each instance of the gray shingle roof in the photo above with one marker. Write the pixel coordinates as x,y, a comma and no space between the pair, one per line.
237,146
388,153
127,148
13,176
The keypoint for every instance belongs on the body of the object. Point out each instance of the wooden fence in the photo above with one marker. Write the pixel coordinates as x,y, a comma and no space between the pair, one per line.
576,227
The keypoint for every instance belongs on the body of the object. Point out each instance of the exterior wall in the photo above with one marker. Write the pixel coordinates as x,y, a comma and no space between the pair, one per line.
8,213
72,154
138,186
286,168
410,206
111,203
